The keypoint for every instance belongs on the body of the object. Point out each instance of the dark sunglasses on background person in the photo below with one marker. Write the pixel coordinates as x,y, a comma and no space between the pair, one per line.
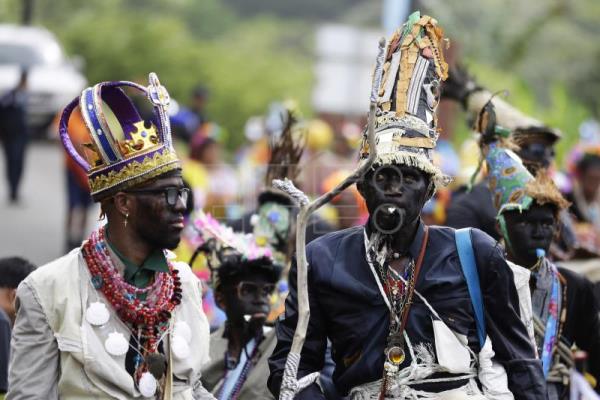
250,289
172,194
538,152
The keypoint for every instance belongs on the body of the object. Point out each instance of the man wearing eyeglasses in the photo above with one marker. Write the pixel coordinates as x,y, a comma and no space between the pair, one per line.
244,276
117,317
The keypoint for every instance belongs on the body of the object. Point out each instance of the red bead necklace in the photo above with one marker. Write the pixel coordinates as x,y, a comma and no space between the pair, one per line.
148,317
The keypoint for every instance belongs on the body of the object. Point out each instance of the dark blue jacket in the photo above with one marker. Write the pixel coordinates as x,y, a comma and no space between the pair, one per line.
346,307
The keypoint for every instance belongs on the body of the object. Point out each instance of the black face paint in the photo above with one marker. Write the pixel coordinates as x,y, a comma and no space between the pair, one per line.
155,221
395,195
529,231
248,296
536,155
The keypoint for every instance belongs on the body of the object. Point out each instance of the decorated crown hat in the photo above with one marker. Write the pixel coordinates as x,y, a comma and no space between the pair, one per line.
228,253
406,126
124,150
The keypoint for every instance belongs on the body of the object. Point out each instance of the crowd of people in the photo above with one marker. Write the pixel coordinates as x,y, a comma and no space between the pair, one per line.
420,284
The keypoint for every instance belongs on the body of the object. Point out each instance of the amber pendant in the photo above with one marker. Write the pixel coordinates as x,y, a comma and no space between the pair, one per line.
395,355
394,351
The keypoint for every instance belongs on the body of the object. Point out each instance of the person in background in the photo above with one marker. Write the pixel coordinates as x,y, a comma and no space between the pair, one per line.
585,197
13,132
564,313
186,121
79,199
318,159
474,207
200,96
347,209
12,272
244,277
273,220
219,190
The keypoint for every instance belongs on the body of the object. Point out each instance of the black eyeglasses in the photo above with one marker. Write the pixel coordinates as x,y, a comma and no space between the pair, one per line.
248,289
172,194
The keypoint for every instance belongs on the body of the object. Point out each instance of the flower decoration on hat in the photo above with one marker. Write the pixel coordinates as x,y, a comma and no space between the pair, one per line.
228,252
124,150
414,68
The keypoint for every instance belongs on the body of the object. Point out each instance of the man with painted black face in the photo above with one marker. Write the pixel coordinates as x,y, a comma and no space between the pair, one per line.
116,317
244,276
564,313
474,207
394,297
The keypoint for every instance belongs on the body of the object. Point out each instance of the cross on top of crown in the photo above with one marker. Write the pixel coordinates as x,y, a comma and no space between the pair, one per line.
157,93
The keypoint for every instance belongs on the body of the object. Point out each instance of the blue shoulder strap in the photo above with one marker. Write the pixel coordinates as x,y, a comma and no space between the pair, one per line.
469,267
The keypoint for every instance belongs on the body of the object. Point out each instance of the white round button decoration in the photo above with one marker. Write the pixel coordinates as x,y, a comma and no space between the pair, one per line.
180,348
116,344
147,385
183,329
97,314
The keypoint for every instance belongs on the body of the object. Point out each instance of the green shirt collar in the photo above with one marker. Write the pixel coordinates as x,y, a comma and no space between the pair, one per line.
141,275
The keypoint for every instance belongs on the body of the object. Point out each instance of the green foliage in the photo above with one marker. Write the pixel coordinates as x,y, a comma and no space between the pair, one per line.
246,64
565,114
251,52
252,66
305,9
540,41
558,110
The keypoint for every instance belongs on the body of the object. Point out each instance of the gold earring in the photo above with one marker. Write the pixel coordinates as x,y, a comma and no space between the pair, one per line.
125,222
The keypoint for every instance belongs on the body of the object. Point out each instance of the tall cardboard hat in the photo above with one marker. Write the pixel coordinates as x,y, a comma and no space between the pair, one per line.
406,128
124,150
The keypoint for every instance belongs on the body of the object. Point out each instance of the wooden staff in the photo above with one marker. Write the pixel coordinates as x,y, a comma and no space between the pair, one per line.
291,385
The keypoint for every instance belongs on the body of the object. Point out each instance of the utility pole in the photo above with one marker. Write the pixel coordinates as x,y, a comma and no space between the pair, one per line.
393,14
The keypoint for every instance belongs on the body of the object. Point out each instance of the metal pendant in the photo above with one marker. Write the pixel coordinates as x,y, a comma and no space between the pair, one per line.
395,355
394,350
157,364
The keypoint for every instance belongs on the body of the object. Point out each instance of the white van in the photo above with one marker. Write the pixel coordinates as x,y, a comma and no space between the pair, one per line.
53,80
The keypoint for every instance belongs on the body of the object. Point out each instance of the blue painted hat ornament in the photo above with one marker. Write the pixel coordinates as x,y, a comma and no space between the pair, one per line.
512,186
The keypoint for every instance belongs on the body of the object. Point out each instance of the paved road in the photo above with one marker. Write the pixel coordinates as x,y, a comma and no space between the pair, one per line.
34,229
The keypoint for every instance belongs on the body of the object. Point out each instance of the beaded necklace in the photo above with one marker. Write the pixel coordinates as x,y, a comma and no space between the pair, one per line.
249,362
556,315
398,291
149,317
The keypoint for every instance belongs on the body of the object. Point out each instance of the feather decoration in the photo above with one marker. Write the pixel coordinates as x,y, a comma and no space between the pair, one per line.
286,149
